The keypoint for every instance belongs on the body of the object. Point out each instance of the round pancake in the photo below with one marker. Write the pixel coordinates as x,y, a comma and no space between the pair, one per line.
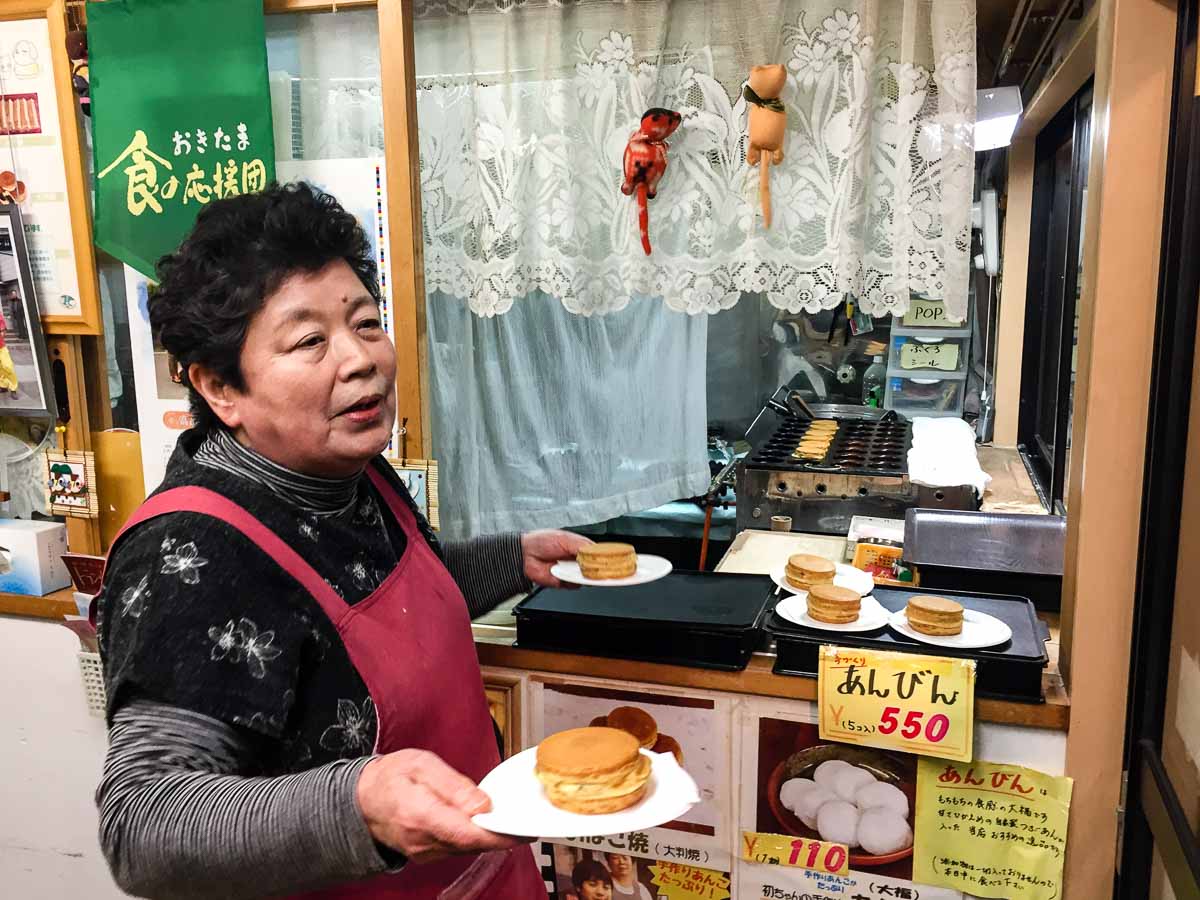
668,744
581,752
637,722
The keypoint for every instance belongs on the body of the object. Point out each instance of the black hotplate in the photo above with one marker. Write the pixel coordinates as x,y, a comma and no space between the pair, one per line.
701,619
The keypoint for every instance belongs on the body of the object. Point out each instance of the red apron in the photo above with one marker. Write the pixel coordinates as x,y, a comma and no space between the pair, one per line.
411,643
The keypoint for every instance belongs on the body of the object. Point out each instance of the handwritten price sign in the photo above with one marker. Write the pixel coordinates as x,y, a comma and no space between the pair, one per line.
917,704
801,853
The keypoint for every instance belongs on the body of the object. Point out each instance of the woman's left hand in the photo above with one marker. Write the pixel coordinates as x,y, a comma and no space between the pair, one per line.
542,549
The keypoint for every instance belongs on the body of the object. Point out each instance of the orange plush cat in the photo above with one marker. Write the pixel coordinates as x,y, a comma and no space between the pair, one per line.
768,122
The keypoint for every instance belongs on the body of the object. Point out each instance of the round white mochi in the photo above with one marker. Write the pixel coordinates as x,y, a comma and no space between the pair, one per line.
838,822
882,794
793,789
811,802
883,831
848,782
828,770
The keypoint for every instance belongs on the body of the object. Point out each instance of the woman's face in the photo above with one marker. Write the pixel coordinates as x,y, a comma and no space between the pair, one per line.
595,890
320,376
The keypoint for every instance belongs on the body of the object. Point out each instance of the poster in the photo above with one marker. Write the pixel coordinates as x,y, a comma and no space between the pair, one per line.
581,874
699,731
994,829
162,403
33,172
777,747
25,384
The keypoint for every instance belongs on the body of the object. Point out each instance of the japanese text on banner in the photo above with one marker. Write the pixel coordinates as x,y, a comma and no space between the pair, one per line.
991,829
917,704
677,881
801,853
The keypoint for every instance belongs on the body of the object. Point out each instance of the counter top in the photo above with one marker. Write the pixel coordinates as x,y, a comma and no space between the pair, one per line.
494,644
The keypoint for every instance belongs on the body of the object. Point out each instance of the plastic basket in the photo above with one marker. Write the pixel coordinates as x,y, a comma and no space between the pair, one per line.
93,681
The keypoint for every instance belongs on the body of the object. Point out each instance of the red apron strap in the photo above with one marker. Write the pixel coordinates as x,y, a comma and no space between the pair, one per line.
210,503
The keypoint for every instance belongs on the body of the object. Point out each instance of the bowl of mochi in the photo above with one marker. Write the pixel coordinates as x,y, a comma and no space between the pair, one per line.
846,795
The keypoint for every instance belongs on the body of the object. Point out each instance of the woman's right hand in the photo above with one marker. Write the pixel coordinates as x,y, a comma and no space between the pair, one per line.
414,803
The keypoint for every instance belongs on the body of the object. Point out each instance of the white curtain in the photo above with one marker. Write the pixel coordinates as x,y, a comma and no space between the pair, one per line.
525,107
542,418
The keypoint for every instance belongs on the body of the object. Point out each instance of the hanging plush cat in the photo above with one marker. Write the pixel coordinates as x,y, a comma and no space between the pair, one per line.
768,123
646,161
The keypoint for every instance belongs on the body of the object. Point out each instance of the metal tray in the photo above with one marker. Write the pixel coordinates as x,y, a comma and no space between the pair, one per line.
700,619
1010,671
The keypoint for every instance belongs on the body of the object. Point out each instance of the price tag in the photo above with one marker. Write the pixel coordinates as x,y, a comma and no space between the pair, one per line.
915,355
928,314
800,853
900,701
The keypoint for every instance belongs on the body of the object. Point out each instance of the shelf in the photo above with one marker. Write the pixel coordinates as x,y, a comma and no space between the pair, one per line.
939,374
52,606
901,331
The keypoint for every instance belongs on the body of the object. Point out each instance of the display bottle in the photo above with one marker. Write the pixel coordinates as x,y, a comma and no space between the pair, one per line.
873,382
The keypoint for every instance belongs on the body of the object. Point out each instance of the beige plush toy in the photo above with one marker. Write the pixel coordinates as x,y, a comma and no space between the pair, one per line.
768,122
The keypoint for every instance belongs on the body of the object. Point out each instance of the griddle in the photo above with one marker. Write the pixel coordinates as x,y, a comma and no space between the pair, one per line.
704,620
860,447
1009,671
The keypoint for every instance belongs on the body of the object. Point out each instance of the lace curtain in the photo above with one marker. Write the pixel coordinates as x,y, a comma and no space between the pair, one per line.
525,107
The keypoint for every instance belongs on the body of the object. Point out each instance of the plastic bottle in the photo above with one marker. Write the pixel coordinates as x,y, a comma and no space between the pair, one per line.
872,383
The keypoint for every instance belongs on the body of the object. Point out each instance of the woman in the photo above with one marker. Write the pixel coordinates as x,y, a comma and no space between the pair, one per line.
294,700
592,881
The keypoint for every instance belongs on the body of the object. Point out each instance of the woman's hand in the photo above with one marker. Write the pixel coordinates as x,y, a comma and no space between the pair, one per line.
542,549
415,803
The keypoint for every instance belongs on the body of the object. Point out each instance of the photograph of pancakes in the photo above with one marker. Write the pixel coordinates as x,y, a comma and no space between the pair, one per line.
688,728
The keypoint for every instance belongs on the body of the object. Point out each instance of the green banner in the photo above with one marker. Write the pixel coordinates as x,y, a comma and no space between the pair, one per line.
181,112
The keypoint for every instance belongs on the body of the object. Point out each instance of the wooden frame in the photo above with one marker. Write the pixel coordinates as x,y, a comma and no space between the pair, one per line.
54,12
397,70
504,698
429,469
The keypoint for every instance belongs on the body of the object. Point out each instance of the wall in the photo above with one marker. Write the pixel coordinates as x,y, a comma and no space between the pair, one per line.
51,753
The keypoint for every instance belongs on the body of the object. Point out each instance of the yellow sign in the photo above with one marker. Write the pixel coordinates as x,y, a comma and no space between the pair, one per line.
928,314
898,701
801,853
943,357
991,829
677,881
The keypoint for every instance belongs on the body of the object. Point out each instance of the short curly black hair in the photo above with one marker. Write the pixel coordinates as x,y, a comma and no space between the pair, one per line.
590,870
239,252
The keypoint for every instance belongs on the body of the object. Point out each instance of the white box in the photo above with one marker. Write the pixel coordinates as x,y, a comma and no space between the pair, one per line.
31,561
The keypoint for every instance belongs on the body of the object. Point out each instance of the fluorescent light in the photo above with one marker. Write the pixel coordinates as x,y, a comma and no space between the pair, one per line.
997,111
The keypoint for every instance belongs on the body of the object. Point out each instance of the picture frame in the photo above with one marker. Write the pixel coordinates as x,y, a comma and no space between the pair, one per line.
421,478
26,385
51,162
71,483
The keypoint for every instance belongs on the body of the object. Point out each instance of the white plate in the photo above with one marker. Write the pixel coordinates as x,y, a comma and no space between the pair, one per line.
871,616
649,568
844,576
520,807
979,630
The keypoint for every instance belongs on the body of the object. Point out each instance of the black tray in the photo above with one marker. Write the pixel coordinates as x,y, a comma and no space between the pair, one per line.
705,620
1009,671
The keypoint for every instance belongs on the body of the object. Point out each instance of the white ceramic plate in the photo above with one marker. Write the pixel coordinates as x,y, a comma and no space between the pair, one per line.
520,807
979,630
844,576
871,616
649,568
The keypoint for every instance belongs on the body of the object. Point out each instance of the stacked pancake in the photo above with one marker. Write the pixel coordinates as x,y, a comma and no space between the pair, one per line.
644,729
934,615
605,561
804,570
815,441
592,770
834,605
